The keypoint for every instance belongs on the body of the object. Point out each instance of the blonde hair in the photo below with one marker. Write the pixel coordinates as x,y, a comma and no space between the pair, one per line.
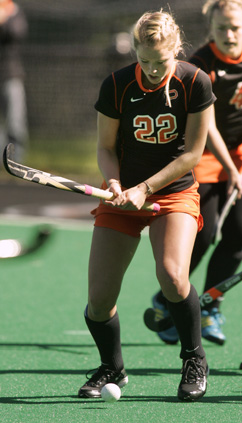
211,5
157,27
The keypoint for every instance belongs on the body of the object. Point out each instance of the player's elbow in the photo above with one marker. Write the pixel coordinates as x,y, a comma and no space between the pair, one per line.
193,158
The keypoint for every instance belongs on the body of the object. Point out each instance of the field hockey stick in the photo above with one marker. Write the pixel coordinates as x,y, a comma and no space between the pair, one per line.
207,297
47,179
12,248
224,213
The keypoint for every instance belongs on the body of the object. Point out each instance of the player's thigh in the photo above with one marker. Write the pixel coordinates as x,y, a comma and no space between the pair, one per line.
111,254
172,237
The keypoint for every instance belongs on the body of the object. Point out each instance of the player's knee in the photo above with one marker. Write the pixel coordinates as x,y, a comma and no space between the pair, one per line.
100,308
173,283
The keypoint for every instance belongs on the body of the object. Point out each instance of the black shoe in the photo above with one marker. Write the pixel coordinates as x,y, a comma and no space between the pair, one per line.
194,379
92,388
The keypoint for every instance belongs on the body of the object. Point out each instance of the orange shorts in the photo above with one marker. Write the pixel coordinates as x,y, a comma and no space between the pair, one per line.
210,170
133,222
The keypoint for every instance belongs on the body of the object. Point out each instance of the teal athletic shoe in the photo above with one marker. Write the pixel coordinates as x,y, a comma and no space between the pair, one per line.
169,336
212,321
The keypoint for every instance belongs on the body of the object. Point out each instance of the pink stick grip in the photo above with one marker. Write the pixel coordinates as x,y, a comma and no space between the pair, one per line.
88,189
156,207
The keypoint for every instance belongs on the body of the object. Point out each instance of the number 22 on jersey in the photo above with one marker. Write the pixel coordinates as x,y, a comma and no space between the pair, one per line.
164,125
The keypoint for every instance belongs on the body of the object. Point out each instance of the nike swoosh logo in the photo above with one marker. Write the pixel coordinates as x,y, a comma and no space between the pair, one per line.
192,350
136,99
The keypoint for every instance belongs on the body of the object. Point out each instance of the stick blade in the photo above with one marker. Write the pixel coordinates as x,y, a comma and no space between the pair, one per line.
43,235
38,176
156,325
7,154
149,320
11,166
47,179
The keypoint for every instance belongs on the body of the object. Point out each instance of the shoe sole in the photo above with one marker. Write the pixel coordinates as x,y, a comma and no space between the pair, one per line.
214,340
189,398
168,341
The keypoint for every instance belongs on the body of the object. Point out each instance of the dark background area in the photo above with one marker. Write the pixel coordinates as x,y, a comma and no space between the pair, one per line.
71,48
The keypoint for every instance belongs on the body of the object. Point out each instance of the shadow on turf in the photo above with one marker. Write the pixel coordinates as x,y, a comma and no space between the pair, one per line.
73,399
133,372
67,348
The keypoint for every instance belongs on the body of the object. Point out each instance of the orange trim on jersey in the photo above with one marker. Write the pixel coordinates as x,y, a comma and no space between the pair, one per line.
184,89
212,76
138,74
115,92
194,176
222,56
195,75
210,170
124,91
133,222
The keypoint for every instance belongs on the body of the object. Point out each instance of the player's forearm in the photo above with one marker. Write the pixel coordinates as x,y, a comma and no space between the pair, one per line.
173,171
108,164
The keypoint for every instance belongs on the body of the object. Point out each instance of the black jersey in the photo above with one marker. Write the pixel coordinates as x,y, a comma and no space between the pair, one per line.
226,76
151,134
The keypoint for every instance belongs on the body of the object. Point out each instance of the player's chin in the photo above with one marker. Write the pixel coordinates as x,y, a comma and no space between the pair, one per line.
154,79
232,50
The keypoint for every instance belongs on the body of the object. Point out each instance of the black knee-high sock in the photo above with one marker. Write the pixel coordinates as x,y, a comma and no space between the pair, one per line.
107,338
187,318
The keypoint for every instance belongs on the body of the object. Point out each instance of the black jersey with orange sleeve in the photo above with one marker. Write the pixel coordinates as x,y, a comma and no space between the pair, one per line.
226,76
151,133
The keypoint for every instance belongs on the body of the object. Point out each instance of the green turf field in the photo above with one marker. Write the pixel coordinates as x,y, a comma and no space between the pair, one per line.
46,350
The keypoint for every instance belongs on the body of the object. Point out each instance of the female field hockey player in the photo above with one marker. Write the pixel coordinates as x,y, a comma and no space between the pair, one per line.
153,119
221,59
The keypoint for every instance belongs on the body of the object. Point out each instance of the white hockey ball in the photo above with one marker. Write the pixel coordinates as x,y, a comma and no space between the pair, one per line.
111,392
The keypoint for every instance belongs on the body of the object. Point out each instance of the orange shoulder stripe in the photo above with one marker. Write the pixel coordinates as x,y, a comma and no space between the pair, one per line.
124,91
195,75
184,89
115,92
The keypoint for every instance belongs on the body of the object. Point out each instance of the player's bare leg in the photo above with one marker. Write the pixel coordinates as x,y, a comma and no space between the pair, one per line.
172,237
177,232
111,253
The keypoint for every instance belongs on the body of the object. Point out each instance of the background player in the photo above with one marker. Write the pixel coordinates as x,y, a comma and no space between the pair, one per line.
153,119
221,59
13,30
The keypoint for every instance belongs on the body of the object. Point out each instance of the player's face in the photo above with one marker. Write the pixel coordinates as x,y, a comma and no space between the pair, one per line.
227,31
156,63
